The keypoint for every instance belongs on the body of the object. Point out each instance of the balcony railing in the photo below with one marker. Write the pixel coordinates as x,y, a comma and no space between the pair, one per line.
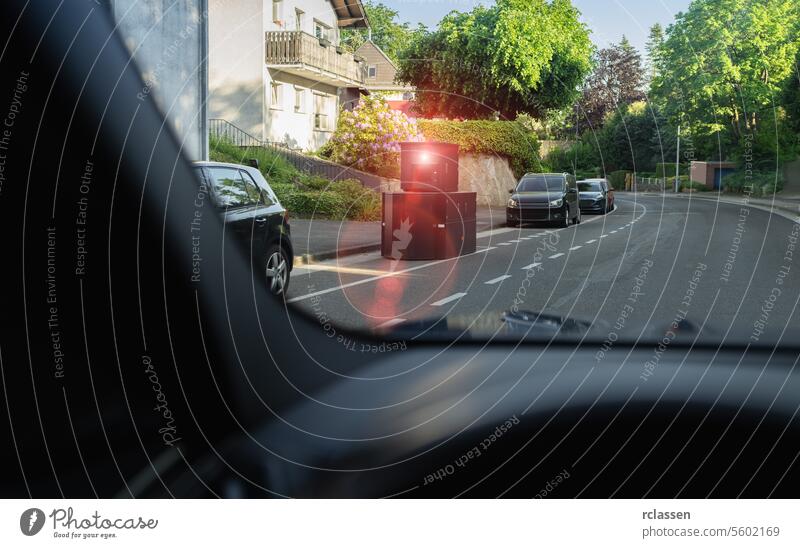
300,53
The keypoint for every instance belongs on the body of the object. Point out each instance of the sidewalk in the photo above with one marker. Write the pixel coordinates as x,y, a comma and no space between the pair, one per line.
784,204
317,240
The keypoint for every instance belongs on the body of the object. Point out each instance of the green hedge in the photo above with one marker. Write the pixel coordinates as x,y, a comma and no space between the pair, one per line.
617,179
300,193
686,184
506,138
759,183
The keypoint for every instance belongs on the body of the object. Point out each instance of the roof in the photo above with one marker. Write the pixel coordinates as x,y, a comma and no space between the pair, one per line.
370,43
350,13
386,70
402,106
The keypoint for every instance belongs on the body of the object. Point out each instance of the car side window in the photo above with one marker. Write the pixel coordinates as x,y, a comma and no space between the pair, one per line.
230,187
254,194
264,196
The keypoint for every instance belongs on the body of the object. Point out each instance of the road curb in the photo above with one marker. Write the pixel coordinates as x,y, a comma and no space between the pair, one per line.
786,212
310,258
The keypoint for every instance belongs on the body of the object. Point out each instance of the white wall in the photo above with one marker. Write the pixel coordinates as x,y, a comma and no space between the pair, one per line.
296,129
322,10
240,84
236,71
168,43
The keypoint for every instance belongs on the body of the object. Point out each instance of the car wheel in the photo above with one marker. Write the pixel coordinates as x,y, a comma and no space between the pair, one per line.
276,269
577,219
604,208
512,224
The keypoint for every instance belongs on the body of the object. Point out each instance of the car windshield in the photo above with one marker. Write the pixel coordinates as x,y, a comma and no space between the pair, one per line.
446,206
586,186
541,183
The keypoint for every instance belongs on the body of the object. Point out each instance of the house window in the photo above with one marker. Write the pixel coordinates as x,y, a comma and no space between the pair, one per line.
321,111
372,71
276,100
277,11
299,99
321,30
298,19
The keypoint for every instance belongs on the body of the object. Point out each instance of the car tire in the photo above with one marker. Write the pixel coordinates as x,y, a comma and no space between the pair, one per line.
512,224
564,222
604,209
577,219
276,270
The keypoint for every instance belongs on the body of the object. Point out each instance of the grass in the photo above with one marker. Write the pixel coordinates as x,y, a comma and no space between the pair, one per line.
302,194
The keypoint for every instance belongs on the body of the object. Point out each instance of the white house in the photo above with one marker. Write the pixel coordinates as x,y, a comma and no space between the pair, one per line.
276,69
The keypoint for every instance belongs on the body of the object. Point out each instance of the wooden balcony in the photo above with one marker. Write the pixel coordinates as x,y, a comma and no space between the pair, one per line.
300,53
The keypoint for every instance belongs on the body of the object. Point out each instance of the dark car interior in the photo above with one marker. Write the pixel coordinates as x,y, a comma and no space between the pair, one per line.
124,377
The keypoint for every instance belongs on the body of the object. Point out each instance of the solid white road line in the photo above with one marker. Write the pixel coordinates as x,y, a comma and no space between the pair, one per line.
449,299
556,256
375,278
390,323
532,265
497,280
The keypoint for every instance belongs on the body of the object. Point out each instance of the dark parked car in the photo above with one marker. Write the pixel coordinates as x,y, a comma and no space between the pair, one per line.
595,196
253,213
551,197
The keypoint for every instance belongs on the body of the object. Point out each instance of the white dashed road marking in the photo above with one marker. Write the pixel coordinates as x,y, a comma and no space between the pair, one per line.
449,299
497,280
576,247
390,323
591,241
556,256
532,265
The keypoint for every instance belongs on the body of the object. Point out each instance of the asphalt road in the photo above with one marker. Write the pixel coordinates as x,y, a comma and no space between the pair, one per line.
653,261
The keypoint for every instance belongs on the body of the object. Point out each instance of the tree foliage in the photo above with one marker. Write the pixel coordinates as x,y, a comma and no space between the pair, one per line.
637,137
616,81
724,66
516,56
385,30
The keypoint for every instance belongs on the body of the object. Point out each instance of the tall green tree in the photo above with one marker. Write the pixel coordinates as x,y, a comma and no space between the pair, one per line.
385,31
517,56
616,81
655,40
723,67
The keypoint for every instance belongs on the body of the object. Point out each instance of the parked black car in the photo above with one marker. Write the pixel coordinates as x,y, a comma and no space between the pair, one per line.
253,213
595,196
551,197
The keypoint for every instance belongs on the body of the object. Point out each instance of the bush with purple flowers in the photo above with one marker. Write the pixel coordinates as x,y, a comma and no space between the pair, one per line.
368,137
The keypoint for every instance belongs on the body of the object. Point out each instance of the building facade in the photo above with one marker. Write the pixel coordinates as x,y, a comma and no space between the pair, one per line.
381,75
276,69
168,42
